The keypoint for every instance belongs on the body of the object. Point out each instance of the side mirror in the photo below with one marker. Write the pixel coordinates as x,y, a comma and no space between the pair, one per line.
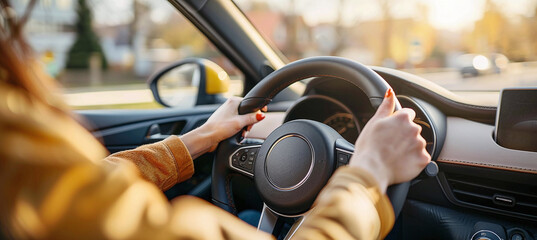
175,85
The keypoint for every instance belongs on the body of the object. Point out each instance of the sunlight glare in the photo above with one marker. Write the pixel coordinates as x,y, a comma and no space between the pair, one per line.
481,62
455,15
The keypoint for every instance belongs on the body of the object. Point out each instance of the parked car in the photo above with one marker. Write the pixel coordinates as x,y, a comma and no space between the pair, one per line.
472,65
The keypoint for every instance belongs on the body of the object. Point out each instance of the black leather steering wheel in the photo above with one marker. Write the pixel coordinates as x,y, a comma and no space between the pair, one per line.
296,160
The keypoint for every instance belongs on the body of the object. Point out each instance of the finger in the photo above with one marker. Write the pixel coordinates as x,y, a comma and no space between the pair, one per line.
235,99
251,118
427,156
264,109
406,113
387,106
233,102
259,116
421,142
423,158
248,128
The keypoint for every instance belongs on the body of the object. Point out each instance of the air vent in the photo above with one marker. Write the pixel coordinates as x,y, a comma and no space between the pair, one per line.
499,196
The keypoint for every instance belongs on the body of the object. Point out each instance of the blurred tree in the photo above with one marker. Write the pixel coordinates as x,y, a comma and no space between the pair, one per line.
180,34
342,30
532,29
496,32
86,43
291,29
386,35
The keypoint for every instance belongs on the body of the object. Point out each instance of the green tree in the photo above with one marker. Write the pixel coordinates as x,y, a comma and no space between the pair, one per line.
86,43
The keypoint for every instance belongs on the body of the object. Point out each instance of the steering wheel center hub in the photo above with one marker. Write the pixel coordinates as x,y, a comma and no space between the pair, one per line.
289,162
293,165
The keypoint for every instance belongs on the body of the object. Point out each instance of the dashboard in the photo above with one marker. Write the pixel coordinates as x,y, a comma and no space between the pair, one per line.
479,184
323,103
329,111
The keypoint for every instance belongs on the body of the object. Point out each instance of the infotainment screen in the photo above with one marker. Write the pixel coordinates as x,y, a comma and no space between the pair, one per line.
516,119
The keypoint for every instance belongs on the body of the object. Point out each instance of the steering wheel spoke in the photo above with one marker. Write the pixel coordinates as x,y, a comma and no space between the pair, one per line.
243,159
233,156
273,223
344,151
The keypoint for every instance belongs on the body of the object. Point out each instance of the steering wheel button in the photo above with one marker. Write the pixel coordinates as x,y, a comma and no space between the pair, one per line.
249,165
517,236
343,158
243,157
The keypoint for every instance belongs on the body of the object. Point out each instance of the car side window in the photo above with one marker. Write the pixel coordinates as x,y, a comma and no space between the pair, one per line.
102,52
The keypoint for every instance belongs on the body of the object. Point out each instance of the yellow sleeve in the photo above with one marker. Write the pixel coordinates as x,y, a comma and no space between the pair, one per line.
89,201
53,185
349,207
164,163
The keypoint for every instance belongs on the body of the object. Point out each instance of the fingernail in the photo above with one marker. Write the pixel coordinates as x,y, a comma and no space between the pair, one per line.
260,116
389,93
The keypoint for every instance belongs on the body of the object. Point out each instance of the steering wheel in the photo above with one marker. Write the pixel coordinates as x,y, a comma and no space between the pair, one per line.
297,159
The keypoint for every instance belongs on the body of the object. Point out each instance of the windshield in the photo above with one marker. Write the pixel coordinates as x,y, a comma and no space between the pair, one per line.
461,45
103,52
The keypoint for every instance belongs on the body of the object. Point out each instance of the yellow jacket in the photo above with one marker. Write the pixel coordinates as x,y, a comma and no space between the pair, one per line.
54,184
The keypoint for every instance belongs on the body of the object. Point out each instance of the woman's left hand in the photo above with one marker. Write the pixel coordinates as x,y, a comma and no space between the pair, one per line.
224,123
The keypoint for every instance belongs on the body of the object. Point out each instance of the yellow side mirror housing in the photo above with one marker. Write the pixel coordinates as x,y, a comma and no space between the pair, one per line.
172,85
217,80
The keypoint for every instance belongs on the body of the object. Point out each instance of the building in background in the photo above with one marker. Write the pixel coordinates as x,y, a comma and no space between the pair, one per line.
50,30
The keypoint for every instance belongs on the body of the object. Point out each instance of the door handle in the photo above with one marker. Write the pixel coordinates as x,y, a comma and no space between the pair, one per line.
154,134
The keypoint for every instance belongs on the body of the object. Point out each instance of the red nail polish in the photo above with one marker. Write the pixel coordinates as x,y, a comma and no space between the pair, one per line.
260,116
389,93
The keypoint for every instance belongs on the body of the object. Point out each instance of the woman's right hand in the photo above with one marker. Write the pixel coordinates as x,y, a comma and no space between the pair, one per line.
223,123
390,146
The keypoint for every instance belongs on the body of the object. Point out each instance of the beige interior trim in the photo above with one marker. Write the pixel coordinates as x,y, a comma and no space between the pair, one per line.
467,143
471,143
262,129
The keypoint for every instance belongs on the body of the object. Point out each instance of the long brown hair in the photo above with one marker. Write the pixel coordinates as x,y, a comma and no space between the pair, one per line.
18,65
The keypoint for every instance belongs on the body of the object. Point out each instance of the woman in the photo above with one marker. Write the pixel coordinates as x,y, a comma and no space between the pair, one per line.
54,183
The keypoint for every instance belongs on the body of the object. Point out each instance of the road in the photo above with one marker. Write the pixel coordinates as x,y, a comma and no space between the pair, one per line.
453,80
483,88
129,94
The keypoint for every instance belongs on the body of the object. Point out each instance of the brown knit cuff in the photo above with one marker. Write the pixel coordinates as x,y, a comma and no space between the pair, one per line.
183,160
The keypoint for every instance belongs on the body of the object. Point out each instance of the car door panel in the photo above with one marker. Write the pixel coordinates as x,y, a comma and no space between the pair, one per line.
121,130
126,129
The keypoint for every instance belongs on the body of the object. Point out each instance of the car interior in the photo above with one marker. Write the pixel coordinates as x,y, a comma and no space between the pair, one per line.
474,188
